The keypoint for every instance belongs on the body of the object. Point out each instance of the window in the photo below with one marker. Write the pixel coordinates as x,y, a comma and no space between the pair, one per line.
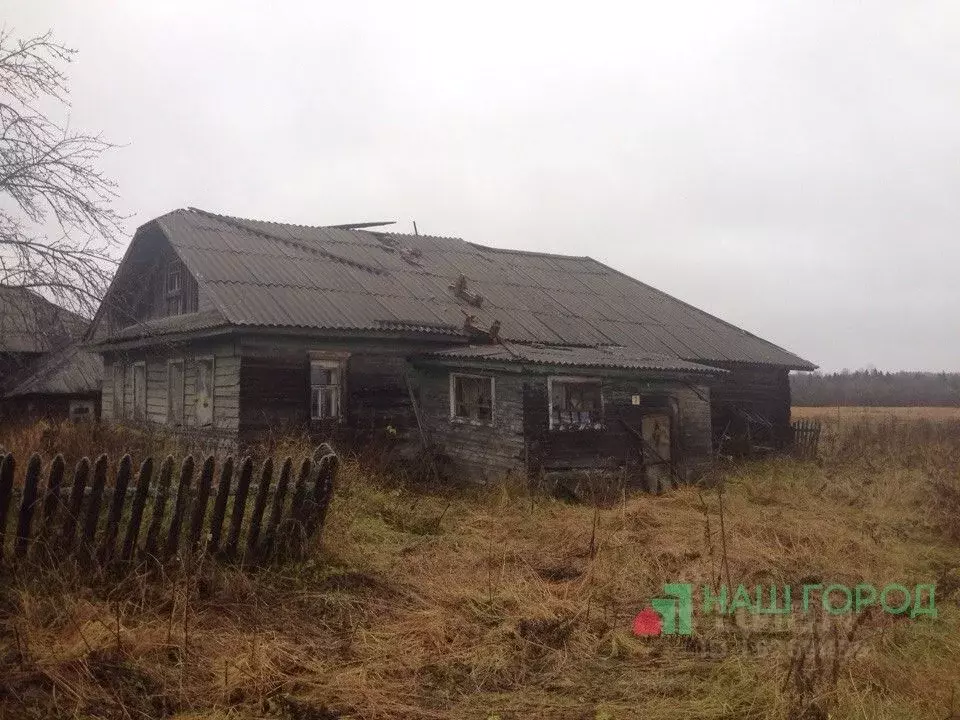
139,391
118,377
324,389
175,392
471,398
203,388
174,294
575,404
81,410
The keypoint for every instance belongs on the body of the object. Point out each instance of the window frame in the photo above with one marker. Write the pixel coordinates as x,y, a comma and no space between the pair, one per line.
174,269
138,365
171,420
336,364
570,380
454,376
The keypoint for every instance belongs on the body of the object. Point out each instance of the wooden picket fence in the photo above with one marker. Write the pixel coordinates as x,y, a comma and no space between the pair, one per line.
115,524
806,437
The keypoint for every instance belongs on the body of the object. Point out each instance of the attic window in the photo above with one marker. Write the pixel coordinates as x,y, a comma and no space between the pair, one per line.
174,294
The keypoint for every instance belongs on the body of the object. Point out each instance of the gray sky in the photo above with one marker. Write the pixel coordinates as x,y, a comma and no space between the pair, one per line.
793,167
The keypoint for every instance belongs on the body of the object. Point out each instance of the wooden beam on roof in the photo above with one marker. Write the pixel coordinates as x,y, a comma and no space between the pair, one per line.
362,225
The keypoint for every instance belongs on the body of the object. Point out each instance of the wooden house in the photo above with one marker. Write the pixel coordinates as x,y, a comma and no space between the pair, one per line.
505,359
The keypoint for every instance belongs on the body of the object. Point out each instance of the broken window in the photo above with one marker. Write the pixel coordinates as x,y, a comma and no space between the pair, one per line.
575,404
471,398
324,389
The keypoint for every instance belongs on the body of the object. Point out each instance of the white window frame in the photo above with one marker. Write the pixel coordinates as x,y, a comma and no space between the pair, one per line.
133,391
569,379
327,363
183,392
197,361
453,398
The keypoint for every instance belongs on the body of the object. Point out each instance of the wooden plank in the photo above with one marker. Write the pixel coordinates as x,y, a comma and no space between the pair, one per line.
276,510
80,476
200,504
136,512
31,490
239,507
51,496
6,495
120,485
293,534
259,506
220,505
180,507
323,492
92,516
152,546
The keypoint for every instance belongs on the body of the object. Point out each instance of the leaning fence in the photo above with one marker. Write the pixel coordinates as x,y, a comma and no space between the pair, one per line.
229,513
806,437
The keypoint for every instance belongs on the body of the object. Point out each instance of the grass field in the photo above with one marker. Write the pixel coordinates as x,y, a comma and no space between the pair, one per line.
873,413
495,602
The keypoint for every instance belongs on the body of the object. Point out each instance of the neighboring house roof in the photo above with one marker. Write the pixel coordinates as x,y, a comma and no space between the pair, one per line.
29,323
71,370
265,274
581,357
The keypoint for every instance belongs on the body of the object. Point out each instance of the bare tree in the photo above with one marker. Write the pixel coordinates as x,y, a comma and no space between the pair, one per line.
57,222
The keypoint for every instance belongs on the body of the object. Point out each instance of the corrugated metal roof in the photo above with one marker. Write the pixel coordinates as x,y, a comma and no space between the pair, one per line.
30,323
71,370
270,274
569,356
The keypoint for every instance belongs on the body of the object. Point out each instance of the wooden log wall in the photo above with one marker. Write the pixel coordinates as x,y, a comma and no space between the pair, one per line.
161,511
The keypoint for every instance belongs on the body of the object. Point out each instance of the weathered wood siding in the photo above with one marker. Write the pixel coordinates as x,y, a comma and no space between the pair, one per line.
226,387
481,449
762,391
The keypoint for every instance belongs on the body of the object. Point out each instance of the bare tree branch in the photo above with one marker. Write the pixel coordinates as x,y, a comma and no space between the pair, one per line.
57,221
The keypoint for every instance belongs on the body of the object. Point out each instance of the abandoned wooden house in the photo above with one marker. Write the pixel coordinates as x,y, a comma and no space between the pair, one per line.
505,359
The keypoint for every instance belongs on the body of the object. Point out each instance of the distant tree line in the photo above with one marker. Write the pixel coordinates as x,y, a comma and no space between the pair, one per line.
875,388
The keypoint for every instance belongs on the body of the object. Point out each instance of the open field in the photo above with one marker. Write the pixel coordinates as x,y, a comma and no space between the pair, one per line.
872,413
495,602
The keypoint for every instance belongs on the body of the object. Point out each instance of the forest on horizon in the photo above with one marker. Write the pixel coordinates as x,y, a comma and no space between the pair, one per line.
875,388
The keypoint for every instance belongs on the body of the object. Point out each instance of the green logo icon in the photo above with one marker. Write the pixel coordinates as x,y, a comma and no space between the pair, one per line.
676,612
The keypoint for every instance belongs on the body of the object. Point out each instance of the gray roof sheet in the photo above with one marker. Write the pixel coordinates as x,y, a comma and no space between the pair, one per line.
30,323
267,274
71,370
569,356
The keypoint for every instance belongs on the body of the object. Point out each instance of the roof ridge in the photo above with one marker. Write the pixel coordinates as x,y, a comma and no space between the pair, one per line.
239,223
534,253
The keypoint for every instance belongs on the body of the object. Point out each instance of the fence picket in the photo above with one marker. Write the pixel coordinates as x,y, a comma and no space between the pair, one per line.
120,485
6,495
323,492
152,546
239,507
259,506
180,507
220,505
92,516
136,511
28,502
80,476
200,504
51,496
276,510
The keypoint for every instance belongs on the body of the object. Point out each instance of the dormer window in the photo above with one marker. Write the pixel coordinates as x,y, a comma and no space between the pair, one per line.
174,295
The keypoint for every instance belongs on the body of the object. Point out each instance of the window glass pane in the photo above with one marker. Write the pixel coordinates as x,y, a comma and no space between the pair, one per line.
473,398
576,405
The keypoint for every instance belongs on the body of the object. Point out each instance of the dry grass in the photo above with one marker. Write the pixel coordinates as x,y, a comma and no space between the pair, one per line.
858,413
488,603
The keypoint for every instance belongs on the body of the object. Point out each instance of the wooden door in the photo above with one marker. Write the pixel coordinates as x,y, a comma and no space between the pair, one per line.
657,460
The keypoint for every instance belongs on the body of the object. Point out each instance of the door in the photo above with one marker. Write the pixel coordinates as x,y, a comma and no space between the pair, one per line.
204,392
655,428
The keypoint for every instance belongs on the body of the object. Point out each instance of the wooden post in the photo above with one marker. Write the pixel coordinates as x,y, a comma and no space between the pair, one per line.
200,504
180,507
120,485
51,496
92,516
80,475
239,507
253,534
6,494
31,485
136,512
152,546
276,511
220,505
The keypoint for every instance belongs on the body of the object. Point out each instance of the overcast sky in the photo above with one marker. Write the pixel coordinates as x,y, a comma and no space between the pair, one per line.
793,167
